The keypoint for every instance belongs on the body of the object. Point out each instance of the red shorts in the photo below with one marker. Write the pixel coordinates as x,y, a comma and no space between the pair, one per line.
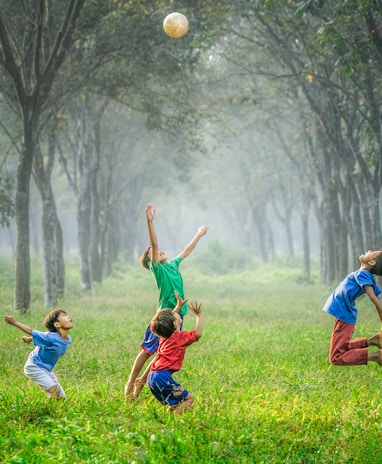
343,350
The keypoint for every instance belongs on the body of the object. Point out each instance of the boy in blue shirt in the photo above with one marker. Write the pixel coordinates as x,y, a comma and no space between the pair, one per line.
168,279
50,347
341,304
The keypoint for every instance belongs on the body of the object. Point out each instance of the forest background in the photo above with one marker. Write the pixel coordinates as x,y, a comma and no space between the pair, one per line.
264,122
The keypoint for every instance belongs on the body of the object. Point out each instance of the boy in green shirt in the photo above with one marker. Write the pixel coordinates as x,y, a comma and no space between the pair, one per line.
168,278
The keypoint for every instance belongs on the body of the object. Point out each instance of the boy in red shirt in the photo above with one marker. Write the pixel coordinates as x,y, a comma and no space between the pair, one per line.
172,347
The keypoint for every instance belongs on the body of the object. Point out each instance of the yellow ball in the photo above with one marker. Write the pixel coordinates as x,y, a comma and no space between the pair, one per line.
175,25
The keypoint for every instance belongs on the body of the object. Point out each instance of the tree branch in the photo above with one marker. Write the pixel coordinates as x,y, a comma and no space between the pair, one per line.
8,61
61,44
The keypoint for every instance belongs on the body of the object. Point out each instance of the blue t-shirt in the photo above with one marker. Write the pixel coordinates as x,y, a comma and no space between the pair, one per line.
50,347
341,303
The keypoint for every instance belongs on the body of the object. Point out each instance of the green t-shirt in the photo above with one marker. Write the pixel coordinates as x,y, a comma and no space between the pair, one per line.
168,279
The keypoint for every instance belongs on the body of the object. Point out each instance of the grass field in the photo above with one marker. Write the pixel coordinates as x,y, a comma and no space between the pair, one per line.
264,390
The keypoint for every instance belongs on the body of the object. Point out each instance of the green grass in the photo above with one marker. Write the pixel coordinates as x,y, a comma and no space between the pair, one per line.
264,390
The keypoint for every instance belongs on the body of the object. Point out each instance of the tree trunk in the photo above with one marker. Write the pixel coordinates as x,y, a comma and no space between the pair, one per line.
305,245
60,263
259,223
84,202
94,247
48,233
95,217
305,233
24,171
83,220
54,274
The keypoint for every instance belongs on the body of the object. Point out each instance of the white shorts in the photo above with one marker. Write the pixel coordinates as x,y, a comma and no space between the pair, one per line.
42,377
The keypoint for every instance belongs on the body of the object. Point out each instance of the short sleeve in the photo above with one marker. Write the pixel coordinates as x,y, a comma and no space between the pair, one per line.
366,278
186,338
40,338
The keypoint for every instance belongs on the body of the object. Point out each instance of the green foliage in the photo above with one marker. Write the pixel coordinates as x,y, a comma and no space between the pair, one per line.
264,390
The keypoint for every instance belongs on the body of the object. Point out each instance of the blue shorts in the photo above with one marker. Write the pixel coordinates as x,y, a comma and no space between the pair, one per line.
165,389
150,342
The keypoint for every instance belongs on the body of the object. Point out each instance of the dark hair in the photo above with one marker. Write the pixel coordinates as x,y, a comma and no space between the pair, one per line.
163,323
145,258
51,318
377,268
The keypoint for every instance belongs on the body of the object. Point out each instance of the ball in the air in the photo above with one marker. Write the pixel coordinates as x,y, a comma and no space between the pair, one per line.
175,25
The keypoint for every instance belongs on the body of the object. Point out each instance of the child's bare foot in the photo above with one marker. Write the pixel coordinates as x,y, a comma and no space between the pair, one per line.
138,385
129,388
375,340
53,392
376,357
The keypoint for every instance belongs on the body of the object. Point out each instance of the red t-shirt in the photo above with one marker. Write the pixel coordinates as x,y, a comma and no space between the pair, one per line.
171,351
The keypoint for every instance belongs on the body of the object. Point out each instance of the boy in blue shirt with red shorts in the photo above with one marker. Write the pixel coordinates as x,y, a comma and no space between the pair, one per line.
341,304
168,279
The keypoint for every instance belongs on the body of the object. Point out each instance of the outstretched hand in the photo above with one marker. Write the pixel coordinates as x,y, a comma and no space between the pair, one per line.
10,319
150,212
196,308
180,301
202,230
26,339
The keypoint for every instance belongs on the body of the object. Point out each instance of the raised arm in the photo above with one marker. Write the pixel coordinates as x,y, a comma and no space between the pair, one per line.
373,297
12,321
150,214
191,246
179,302
196,308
